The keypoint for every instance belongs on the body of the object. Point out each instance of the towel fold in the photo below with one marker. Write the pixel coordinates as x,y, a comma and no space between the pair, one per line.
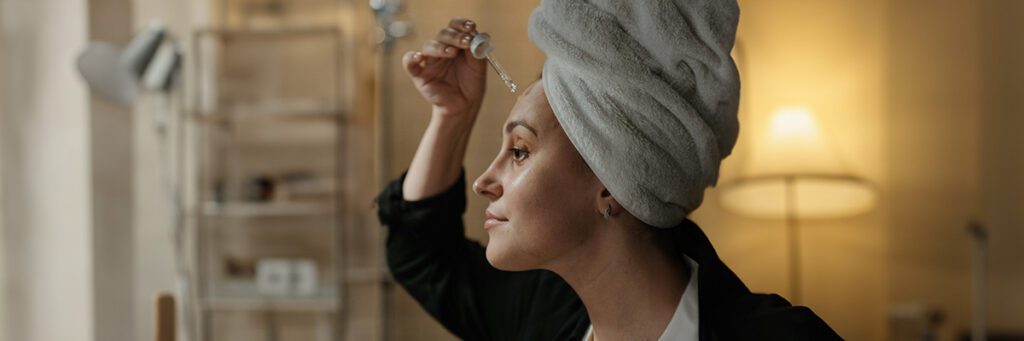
647,91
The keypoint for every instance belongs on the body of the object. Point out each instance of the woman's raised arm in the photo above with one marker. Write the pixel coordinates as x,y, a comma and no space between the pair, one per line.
448,77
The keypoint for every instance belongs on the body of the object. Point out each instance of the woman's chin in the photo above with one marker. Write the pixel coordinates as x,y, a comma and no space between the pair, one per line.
501,259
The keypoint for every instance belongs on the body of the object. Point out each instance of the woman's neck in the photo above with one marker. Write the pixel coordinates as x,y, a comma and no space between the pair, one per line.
629,281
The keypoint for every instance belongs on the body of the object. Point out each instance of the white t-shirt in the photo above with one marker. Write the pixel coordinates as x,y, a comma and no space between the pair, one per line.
683,326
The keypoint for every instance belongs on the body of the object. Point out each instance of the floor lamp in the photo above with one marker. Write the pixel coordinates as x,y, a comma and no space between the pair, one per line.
792,175
150,63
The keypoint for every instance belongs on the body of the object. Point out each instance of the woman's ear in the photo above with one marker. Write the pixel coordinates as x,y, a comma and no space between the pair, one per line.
607,206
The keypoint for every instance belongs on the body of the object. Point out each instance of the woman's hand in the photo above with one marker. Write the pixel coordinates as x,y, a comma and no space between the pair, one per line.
447,74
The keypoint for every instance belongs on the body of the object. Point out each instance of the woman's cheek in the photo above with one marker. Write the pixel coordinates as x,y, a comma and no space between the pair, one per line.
548,200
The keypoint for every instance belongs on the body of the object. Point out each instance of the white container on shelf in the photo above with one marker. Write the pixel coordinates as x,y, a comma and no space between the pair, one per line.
274,276
305,280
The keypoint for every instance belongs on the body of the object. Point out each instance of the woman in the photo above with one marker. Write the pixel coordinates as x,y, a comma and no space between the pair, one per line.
588,236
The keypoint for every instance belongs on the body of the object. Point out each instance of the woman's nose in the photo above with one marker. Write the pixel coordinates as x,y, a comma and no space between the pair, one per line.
487,186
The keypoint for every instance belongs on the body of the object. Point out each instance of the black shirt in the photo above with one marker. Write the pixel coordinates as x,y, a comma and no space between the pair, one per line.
449,276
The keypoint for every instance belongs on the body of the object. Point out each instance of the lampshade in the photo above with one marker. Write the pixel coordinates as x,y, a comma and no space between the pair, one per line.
148,62
791,169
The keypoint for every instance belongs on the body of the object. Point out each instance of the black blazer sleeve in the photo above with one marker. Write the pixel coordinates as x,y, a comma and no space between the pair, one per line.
429,255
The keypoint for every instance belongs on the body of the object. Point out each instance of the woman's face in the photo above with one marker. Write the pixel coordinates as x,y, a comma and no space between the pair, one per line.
543,196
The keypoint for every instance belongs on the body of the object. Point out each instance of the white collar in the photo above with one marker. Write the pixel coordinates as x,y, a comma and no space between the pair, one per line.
684,323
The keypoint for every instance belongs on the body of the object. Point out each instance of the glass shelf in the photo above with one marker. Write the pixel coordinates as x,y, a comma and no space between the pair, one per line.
243,295
327,304
265,209
294,110
271,117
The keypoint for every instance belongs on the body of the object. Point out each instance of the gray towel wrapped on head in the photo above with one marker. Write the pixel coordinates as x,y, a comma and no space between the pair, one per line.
648,93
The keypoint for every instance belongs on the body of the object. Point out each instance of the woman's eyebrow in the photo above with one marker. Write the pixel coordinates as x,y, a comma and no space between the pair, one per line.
513,124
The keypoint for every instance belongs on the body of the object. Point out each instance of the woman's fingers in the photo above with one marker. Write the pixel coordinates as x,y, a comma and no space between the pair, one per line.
434,48
447,44
454,37
413,62
419,64
462,24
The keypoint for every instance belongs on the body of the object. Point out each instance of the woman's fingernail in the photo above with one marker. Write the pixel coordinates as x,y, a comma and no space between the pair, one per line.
466,40
447,49
468,24
417,55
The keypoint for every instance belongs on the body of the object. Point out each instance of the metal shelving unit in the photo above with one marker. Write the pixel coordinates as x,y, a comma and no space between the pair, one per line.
270,128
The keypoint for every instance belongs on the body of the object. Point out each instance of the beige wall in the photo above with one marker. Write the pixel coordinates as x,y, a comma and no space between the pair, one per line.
1001,155
934,84
957,156
3,229
112,196
46,237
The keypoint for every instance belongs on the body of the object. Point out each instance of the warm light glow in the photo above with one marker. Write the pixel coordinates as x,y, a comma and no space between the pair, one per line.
793,156
792,143
794,122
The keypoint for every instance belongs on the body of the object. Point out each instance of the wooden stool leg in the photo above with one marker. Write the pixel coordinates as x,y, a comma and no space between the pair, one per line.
165,318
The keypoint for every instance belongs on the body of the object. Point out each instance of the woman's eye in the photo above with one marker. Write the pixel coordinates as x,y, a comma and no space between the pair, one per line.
519,154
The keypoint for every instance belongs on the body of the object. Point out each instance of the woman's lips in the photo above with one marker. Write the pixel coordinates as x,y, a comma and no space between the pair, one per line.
491,223
493,220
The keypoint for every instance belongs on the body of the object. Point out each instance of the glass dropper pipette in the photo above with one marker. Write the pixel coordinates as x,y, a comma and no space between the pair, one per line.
481,48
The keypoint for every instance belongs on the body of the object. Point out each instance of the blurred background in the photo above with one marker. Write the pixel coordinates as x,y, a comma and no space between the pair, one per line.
226,152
